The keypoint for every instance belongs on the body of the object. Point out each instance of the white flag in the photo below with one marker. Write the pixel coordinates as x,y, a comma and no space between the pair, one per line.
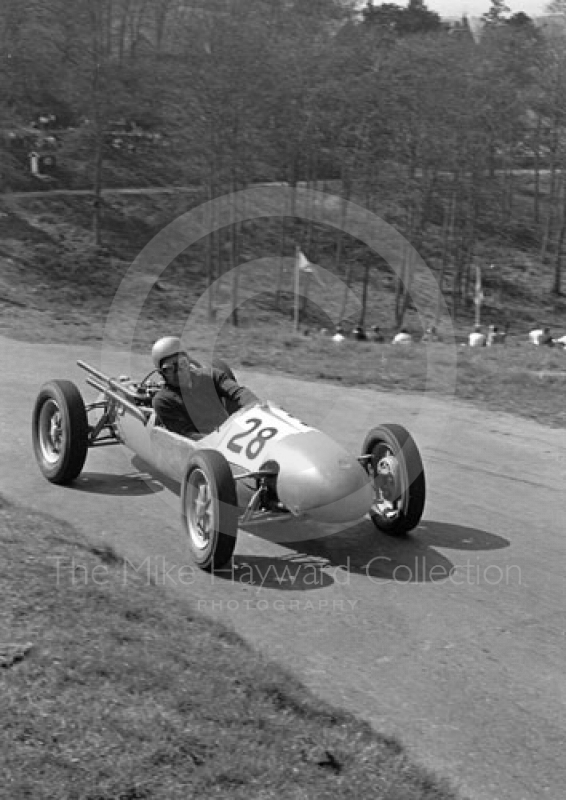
304,265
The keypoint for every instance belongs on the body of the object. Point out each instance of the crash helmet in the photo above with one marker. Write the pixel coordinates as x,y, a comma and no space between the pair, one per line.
164,348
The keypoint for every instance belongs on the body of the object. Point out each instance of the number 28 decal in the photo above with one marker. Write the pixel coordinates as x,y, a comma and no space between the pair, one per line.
255,445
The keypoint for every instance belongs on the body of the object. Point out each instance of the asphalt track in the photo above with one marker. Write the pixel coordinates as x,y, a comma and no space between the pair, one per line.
452,639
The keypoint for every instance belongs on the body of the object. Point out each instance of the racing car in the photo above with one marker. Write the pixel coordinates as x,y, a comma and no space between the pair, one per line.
262,464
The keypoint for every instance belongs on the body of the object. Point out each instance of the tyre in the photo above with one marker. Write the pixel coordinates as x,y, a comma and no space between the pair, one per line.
209,509
60,431
398,477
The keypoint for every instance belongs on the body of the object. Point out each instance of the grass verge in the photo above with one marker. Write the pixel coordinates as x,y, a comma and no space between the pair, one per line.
57,287
111,689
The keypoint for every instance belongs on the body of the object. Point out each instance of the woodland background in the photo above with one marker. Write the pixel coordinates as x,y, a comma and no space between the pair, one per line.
456,137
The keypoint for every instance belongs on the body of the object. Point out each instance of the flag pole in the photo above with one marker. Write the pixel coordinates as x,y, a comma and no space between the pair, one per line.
307,281
478,295
297,287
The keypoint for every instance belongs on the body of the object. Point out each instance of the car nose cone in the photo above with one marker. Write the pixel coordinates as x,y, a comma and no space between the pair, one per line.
321,480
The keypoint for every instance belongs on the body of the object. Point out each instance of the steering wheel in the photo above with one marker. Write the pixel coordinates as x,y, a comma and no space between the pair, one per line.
146,384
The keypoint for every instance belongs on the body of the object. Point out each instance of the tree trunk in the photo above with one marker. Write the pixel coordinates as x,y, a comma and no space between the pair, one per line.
340,231
306,293
447,237
160,19
557,283
365,288
96,38
236,224
97,203
235,279
281,267
209,260
122,28
551,194
346,292
536,198
310,182
346,189
404,279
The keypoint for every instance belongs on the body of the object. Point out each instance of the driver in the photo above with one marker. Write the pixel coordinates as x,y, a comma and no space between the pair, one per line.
191,400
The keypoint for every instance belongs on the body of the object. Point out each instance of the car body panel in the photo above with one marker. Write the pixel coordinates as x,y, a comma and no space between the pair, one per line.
317,478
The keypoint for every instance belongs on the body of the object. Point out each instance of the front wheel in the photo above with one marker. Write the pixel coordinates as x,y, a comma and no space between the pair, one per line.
60,431
398,479
209,509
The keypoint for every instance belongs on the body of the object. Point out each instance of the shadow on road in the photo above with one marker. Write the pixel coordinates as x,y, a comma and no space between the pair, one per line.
406,559
458,537
364,551
153,476
296,572
126,485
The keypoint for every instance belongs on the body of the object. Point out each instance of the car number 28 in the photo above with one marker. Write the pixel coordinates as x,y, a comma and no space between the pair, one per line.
259,438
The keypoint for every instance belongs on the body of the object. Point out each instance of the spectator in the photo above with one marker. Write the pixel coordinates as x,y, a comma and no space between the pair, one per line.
477,338
495,336
403,337
541,336
359,334
431,335
339,336
534,336
376,334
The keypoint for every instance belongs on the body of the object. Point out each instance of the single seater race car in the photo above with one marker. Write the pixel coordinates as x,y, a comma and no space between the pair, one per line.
261,465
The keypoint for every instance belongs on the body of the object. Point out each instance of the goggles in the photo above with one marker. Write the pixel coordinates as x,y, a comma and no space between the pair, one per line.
181,362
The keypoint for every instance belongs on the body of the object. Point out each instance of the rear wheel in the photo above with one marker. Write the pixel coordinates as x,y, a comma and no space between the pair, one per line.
60,431
398,479
209,509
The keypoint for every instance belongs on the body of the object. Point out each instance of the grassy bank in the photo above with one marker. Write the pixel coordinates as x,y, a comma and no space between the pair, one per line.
517,378
112,689
55,287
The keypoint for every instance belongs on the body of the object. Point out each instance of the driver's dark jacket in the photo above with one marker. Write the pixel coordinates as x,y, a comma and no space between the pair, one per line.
204,406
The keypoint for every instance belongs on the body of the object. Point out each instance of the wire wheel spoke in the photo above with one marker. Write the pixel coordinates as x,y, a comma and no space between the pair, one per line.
200,509
51,431
55,432
386,482
203,509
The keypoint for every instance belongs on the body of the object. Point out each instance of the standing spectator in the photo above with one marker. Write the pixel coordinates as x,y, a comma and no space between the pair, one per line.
477,338
403,337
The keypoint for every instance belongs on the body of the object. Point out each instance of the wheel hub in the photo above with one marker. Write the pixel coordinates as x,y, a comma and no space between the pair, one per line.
51,432
386,472
200,510
386,486
55,432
